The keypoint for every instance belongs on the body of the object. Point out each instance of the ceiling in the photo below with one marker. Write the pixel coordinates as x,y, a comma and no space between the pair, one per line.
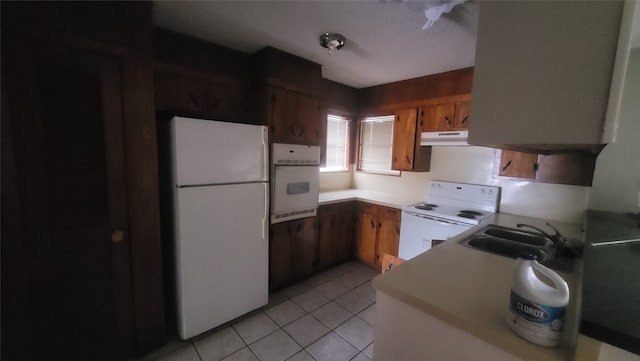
384,39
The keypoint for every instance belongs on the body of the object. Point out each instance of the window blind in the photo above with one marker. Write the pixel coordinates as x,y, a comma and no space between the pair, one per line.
376,144
337,143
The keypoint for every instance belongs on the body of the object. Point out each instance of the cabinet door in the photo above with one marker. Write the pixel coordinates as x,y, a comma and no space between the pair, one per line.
404,140
293,117
388,233
517,164
366,232
180,93
280,256
345,233
307,122
327,238
461,114
228,102
438,117
450,114
305,247
388,239
407,154
74,267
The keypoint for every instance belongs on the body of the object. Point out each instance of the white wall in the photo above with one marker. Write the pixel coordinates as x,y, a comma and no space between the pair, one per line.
469,164
616,183
475,165
335,181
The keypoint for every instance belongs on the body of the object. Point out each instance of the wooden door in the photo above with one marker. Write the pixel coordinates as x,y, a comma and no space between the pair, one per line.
282,113
461,114
307,122
441,117
66,123
305,247
404,140
180,93
366,231
327,237
280,256
388,239
345,233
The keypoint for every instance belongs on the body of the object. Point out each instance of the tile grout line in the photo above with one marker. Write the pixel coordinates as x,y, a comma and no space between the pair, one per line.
334,275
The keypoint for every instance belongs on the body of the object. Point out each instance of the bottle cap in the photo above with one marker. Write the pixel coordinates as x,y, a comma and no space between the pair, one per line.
529,256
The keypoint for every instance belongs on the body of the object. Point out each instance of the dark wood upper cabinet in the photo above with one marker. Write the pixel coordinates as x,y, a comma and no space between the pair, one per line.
407,154
573,168
293,117
447,114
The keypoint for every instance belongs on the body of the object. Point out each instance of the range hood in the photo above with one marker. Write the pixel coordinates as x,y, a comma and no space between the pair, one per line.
455,137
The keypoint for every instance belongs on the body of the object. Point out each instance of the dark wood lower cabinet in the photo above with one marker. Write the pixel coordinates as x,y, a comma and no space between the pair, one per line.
298,249
336,226
377,233
293,252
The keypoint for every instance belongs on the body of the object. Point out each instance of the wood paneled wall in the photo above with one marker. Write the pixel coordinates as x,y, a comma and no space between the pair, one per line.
415,92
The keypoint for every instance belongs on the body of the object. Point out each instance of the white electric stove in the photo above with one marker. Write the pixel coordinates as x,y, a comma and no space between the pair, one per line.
448,210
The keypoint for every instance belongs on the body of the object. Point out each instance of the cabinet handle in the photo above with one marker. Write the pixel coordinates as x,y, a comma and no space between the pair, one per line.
379,225
464,120
397,230
372,224
536,167
301,132
447,120
506,165
408,160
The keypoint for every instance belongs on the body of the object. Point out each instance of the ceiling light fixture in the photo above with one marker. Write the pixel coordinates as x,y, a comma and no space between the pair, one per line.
434,9
332,41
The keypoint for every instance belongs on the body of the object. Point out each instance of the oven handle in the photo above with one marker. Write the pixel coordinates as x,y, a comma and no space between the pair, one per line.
436,219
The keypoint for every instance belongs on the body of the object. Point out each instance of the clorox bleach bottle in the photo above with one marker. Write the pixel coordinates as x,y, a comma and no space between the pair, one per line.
536,310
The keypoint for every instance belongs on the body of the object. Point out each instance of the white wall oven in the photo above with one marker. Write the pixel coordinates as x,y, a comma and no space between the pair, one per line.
295,181
448,210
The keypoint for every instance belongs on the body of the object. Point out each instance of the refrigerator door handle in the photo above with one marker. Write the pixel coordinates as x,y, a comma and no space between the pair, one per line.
265,219
265,154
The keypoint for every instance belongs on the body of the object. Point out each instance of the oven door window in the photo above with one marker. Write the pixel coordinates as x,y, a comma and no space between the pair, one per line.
295,188
298,188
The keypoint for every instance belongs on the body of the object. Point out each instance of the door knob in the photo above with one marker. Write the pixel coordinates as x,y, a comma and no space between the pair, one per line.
117,236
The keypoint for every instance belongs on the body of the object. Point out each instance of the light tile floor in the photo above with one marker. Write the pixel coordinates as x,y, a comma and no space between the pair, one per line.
329,316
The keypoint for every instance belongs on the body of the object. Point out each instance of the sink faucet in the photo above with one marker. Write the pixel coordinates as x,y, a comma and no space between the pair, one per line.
564,247
557,239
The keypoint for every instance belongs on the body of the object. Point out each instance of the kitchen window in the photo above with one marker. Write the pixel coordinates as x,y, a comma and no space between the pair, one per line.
337,159
376,145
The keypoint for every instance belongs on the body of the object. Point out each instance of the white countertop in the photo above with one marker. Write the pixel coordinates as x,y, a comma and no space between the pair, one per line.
469,289
379,198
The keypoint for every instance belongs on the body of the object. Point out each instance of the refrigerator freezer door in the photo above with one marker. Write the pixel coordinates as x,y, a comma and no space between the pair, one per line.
222,253
212,152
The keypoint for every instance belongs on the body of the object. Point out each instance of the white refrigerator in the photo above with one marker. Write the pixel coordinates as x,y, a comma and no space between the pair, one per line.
220,189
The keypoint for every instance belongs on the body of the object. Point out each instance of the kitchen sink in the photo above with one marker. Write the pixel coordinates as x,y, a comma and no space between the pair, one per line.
517,235
506,248
512,242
